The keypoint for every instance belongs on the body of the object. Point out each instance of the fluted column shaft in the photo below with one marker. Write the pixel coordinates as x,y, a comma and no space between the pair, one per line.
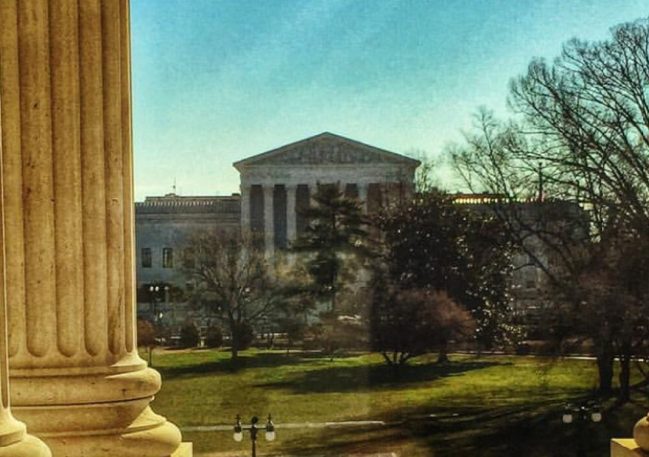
291,215
14,441
269,225
245,210
362,196
68,181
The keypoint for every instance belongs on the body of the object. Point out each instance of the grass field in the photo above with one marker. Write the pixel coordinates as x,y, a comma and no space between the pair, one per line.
489,406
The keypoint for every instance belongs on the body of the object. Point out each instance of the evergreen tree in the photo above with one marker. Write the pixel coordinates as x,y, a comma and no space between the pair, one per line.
433,244
333,239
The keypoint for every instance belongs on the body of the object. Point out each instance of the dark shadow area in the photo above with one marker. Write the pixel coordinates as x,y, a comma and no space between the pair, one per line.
348,379
532,430
245,361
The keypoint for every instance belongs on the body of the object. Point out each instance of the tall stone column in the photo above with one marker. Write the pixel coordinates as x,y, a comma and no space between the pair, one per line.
362,196
269,226
245,209
14,441
291,214
77,380
313,190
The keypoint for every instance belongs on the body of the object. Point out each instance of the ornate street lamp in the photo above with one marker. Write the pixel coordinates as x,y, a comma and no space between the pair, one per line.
584,413
238,431
155,290
581,415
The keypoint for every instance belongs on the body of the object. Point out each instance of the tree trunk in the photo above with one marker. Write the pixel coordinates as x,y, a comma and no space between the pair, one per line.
625,373
605,370
396,370
442,357
234,344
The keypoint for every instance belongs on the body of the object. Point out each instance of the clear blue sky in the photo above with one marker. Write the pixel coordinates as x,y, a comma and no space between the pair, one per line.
215,81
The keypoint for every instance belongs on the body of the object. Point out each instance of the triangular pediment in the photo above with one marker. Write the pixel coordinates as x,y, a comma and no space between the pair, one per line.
326,149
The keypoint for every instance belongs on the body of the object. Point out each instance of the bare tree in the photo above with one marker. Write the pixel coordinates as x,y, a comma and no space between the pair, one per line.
232,278
580,133
146,337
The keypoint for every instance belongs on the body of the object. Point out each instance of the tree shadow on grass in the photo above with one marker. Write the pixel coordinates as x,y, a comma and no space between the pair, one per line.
245,361
373,377
534,429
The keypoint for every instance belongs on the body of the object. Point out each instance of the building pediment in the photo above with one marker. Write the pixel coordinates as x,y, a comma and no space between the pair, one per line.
325,149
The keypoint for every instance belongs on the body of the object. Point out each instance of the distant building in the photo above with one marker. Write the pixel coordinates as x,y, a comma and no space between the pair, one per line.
538,222
277,183
162,226
274,186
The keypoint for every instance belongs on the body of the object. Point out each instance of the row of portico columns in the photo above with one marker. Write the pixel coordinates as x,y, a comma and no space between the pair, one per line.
291,210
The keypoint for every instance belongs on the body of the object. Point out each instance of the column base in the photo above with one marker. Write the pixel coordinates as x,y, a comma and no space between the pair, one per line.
626,448
149,435
28,446
184,450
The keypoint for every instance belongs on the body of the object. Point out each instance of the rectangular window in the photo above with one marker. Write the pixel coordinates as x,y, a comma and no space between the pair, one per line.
146,257
167,258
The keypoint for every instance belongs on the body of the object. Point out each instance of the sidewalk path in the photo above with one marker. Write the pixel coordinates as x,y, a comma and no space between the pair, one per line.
345,424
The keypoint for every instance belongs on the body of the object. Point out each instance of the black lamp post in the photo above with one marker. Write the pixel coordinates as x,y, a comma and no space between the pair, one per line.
238,431
155,291
580,416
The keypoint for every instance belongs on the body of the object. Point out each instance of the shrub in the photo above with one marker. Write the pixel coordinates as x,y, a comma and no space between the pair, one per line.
214,337
145,333
189,336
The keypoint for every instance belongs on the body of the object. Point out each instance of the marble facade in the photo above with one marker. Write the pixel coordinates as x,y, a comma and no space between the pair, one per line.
277,183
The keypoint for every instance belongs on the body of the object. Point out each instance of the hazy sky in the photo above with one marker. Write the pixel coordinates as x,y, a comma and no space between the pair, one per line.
215,81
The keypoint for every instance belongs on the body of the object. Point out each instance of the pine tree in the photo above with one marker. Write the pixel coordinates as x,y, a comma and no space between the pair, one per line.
332,239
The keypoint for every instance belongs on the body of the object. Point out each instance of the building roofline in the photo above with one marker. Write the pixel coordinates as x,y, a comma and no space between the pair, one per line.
278,150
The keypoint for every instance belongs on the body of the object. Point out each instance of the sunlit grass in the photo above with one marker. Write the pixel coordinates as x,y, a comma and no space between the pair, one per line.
204,388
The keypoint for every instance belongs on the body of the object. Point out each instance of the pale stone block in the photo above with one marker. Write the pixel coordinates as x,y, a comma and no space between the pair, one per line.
185,450
28,446
626,448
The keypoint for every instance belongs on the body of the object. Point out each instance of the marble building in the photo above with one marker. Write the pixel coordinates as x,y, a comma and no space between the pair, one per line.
164,224
70,373
275,185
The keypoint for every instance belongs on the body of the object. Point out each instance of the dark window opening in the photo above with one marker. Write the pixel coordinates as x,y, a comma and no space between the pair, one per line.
147,261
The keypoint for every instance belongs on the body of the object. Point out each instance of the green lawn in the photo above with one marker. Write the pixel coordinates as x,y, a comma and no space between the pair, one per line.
483,406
